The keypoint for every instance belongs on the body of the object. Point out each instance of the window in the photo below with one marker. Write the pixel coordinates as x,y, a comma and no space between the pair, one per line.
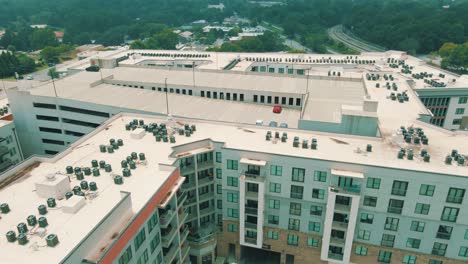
83,111
298,174
262,99
202,93
316,210
367,218
444,232
255,98
46,106
241,98
413,243
140,238
455,195
274,204
143,258
294,208
219,173
384,256
273,219
294,224
399,188
297,191
79,123
232,228
439,249
427,190
395,206
283,100
126,256
298,101
373,183
364,234
54,142
312,242
320,176
462,100
232,165
273,235
318,193
291,101
219,204
290,71
388,240
219,189
152,222
466,234
417,226
409,259
456,121
422,209
47,118
232,181
276,170
463,252
360,250
314,226
50,152
293,240
280,70
370,201
434,261
50,130
155,242
232,197
73,133
275,187
218,157
234,213
460,111
449,214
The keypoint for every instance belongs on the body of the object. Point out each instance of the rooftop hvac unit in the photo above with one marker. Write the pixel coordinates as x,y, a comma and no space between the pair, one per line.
138,133
54,185
73,204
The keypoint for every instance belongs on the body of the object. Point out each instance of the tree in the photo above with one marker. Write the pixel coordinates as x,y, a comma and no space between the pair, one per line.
50,54
447,49
52,73
41,38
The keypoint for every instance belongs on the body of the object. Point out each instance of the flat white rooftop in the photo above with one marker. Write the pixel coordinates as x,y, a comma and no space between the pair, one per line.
146,179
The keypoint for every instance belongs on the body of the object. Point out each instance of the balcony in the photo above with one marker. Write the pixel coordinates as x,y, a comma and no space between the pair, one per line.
183,218
351,190
250,225
205,211
337,241
181,198
205,234
335,256
188,186
4,150
184,234
190,201
167,235
184,252
250,240
443,235
204,165
251,195
251,210
165,218
187,169
342,208
205,180
169,256
206,196
340,225
296,195
256,176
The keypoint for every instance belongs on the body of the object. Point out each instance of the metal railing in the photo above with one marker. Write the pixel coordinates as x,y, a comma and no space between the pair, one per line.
254,175
250,225
251,210
353,189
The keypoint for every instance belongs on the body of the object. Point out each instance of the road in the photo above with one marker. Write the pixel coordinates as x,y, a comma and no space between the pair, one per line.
292,44
337,33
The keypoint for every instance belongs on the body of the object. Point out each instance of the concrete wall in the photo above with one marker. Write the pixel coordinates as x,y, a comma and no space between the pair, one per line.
354,125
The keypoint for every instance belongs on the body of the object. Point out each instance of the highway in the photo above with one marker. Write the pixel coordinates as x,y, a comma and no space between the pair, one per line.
339,35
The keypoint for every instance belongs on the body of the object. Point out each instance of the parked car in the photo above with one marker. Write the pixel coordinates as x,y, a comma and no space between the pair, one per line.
259,123
277,109
273,124
284,125
29,77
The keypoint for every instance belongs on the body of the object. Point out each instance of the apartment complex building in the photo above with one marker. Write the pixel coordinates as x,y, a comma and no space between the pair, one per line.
148,189
10,148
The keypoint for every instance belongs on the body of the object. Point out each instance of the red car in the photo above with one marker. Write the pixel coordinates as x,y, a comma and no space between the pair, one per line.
277,109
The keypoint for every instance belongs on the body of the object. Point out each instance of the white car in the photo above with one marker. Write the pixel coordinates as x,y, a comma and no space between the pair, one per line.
259,123
29,77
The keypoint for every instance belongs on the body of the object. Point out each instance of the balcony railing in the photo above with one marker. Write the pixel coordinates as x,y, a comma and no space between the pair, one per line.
181,198
206,196
335,256
340,225
166,217
169,256
250,240
250,225
443,235
337,240
206,211
353,189
342,207
251,210
204,165
254,175
296,195
188,185
205,180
